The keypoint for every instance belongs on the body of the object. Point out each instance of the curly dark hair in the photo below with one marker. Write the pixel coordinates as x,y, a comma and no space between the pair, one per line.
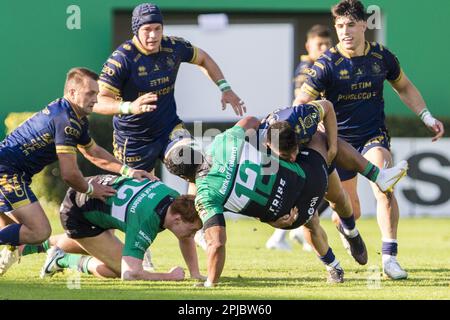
287,138
184,161
350,8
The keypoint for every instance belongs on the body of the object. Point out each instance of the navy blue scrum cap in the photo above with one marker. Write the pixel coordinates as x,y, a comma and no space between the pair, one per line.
143,14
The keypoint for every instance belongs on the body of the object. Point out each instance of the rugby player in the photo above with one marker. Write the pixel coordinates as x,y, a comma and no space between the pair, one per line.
305,120
351,75
54,133
141,209
318,40
137,86
235,176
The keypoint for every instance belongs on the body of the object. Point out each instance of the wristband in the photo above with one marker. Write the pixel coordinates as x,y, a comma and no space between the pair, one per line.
90,189
125,107
223,85
427,118
126,171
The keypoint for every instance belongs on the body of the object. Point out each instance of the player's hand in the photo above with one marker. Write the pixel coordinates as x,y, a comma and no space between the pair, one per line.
286,220
142,174
176,274
145,103
229,97
438,129
101,191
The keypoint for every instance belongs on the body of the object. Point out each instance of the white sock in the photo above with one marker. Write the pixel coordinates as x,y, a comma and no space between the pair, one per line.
279,235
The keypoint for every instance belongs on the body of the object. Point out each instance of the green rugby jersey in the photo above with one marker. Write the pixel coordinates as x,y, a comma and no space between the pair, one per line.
138,209
244,180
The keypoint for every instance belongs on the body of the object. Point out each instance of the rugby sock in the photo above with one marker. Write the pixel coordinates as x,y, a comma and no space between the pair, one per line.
329,259
389,247
279,235
35,248
75,262
371,172
349,226
83,264
10,234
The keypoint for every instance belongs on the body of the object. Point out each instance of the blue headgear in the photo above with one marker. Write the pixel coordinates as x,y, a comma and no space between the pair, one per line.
143,14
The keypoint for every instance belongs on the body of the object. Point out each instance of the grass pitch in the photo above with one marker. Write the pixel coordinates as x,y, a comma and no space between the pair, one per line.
253,272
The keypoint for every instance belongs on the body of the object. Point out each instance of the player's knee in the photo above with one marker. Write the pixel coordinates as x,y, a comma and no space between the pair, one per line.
40,235
312,225
216,244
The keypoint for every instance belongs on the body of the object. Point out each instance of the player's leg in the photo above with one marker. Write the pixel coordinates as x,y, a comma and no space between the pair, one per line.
104,260
387,217
33,226
341,205
348,158
315,235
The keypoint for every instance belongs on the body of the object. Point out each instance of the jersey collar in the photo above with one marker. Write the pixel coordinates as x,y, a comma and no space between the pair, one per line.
161,210
72,108
345,54
140,48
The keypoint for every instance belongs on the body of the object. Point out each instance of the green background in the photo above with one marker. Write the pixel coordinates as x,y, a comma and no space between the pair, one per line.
38,49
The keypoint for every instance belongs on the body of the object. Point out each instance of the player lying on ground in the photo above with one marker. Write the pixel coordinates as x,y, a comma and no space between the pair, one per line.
305,119
235,176
141,209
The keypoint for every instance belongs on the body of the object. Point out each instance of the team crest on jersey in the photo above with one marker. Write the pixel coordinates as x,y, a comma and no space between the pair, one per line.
142,71
156,68
126,46
376,68
46,111
344,74
310,120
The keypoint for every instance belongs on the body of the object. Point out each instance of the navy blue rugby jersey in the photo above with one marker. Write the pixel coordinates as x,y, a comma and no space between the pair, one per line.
355,87
301,71
37,141
131,72
303,119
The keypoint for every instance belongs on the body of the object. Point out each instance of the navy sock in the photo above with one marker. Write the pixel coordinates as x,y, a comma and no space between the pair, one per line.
389,248
328,258
348,223
10,234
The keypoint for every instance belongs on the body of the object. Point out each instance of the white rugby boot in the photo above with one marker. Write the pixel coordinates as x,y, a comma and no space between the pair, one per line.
388,178
8,256
392,269
50,266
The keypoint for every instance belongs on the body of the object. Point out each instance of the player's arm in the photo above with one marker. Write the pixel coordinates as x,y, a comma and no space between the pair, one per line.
71,175
249,123
109,104
328,116
212,70
412,98
106,161
132,270
116,71
189,252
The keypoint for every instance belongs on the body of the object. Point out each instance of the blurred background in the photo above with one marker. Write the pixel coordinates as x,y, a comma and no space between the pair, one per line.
257,44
